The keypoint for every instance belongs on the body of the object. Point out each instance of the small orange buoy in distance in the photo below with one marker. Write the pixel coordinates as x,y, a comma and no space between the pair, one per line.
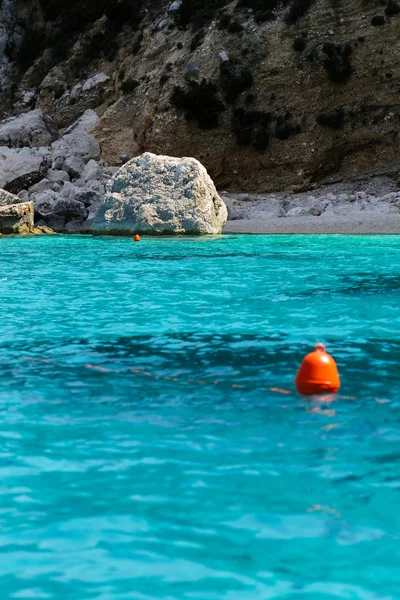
136,238
317,374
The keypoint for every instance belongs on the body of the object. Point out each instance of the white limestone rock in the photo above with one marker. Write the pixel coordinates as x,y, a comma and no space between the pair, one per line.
161,195
57,175
20,168
97,80
298,211
32,129
42,186
85,123
74,166
81,145
92,170
23,195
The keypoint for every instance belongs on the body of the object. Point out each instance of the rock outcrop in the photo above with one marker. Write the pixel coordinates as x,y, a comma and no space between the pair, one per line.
6,198
20,168
64,179
161,195
267,94
78,144
17,218
32,129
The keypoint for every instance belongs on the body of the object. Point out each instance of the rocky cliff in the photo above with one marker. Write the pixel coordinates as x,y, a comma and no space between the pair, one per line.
267,94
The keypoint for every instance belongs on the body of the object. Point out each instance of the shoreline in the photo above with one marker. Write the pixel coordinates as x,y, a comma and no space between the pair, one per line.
339,209
387,225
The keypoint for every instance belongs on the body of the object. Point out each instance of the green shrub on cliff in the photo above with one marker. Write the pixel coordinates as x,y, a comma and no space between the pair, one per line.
337,61
251,127
392,8
199,102
378,20
234,79
285,128
297,9
190,10
65,21
333,118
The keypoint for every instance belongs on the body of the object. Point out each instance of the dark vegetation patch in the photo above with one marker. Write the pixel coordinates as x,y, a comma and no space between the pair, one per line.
199,102
66,20
297,9
261,16
333,118
285,128
223,21
197,40
299,43
9,49
76,15
392,8
378,20
164,78
198,11
258,5
262,9
128,85
31,47
251,128
234,79
337,61
254,128
100,44
235,27
137,44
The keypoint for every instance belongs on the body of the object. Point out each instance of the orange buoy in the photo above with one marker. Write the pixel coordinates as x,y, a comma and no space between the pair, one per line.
318,373
136,238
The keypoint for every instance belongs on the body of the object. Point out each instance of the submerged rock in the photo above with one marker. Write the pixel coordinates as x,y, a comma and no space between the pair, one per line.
17,218
161,195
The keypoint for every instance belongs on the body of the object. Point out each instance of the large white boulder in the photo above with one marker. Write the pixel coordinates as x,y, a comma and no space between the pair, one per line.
79,144
161,195
20,168
85,123
32,129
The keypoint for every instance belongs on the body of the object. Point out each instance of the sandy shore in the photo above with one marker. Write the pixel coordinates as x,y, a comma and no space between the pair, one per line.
372,208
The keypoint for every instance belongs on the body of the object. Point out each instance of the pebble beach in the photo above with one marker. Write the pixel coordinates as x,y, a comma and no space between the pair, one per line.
360,208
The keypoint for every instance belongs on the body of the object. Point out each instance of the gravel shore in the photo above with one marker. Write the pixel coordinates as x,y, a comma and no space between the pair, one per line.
371,208
384,224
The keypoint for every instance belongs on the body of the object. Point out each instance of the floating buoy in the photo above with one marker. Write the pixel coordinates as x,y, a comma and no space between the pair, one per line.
136,238
318,373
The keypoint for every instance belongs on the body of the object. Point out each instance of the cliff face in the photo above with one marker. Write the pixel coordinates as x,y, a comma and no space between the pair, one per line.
267,94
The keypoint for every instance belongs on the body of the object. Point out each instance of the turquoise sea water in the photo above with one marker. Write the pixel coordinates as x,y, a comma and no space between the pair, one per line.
116,484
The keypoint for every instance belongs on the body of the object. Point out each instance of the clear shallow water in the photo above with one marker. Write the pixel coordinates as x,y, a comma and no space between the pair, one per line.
118,485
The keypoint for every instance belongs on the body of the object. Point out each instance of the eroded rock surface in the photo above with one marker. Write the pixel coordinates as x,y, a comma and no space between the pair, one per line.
17,218
20,168
161,195
32,129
